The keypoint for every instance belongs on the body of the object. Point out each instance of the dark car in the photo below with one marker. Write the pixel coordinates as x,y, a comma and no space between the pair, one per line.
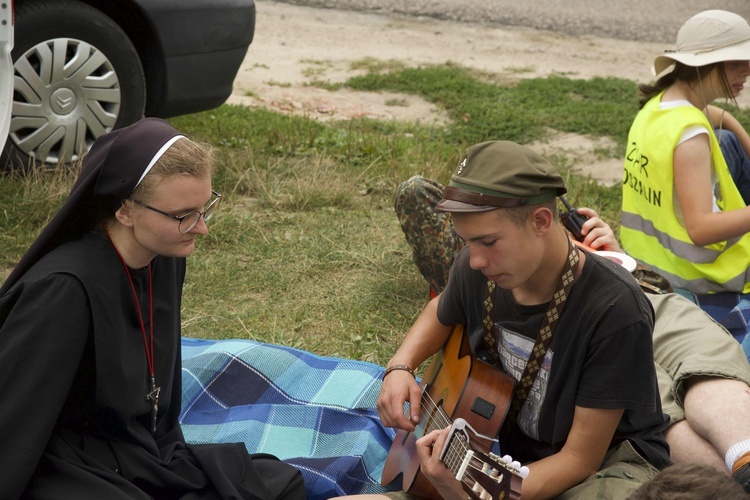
85,67
6,68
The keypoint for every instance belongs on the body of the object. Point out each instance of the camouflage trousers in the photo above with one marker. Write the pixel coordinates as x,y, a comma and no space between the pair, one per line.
430,234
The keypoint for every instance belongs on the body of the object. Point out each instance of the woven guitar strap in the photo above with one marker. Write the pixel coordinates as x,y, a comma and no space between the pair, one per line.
543,339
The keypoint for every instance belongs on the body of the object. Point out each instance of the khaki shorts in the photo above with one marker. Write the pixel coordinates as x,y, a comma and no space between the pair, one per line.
703,347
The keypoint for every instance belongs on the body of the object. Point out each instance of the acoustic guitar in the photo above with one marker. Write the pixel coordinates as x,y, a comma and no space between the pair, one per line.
468,395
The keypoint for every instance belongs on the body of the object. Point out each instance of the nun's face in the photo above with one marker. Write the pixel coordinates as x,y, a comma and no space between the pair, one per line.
154,232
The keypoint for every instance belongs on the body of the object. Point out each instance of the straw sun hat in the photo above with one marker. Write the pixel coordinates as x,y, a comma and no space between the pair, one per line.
708,37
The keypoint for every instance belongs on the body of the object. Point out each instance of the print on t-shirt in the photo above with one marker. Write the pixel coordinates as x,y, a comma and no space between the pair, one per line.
514,350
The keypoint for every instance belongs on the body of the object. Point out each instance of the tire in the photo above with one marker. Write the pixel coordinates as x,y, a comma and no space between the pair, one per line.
76,76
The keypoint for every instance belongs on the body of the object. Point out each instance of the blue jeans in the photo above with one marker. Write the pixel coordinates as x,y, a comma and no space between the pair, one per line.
737,161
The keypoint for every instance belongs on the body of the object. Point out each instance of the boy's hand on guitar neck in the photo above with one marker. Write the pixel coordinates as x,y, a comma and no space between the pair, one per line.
428,449
398,388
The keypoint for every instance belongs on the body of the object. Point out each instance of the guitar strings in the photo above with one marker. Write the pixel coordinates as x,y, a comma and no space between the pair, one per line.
429,407
457,452
458,448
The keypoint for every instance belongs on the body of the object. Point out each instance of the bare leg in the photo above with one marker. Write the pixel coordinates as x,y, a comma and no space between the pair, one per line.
710,400
686,446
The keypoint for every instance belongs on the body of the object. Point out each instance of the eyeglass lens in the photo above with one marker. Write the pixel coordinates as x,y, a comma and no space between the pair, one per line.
189,221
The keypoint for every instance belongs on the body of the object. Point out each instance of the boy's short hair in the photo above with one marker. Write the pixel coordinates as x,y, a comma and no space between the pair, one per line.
689,482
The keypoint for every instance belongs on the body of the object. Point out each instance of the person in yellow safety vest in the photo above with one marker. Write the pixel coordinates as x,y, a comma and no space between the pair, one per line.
686,185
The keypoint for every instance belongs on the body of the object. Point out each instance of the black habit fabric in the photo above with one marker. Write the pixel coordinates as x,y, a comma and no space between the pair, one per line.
74,420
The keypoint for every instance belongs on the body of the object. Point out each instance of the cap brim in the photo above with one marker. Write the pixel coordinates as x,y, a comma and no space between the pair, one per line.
458,206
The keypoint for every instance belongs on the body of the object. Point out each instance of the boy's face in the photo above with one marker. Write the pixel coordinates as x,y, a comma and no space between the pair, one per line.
505,252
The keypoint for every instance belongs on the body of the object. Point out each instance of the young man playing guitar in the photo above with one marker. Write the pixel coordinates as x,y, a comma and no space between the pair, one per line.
703,373
573,327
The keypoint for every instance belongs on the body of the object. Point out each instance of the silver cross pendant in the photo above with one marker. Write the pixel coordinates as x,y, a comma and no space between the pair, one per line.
154,397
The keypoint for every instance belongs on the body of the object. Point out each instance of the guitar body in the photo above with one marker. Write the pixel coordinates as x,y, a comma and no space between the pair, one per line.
460,386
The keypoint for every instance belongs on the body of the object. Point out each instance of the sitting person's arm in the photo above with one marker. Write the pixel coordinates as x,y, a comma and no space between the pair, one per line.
721,118
424,339
580,457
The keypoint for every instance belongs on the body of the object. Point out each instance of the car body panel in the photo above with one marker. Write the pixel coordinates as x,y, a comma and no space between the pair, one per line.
209,85
6,68
199,65
224,24
186,54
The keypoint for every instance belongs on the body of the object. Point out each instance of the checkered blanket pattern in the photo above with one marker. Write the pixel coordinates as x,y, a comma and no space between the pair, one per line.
316,413
731,310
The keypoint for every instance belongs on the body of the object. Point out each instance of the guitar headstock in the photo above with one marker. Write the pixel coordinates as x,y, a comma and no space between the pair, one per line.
483,476
500,477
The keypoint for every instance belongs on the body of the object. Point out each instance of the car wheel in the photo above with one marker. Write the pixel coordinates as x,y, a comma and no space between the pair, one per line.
76,77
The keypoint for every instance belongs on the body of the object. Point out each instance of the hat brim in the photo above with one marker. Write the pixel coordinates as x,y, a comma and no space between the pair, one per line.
738,52
458,206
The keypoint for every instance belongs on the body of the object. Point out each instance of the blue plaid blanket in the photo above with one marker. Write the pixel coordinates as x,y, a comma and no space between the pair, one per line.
730,310
316,413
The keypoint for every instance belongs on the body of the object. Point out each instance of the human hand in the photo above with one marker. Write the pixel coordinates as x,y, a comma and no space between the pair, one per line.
597,233
442,478
398,388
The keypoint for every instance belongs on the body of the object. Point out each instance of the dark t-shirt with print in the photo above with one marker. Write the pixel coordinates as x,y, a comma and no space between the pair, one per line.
601,356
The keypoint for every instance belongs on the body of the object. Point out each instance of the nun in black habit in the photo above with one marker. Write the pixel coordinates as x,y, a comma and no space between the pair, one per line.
90,338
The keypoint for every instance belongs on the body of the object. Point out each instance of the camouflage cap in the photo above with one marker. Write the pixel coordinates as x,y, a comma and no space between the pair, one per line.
499,174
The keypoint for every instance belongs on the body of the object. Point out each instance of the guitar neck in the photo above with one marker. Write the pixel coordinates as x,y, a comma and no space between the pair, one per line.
455,387
482,476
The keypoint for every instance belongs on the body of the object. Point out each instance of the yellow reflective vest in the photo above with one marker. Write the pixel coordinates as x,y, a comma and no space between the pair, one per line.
651,231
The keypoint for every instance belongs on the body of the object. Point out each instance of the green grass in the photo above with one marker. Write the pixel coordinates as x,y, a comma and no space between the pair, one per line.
306,250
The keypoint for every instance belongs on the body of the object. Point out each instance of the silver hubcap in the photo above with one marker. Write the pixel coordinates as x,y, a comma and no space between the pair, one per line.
66,95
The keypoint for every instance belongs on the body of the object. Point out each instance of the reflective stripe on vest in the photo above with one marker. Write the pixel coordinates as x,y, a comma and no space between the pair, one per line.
651,231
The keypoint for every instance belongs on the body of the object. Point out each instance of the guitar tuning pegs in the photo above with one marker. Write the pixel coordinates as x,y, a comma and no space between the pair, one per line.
516,464
523,472
507,459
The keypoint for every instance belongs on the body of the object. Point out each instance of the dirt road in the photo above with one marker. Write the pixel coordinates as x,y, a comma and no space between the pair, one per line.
295,45
641,20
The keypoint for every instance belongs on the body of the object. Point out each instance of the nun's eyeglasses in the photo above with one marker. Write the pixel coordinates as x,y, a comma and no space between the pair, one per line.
190,219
